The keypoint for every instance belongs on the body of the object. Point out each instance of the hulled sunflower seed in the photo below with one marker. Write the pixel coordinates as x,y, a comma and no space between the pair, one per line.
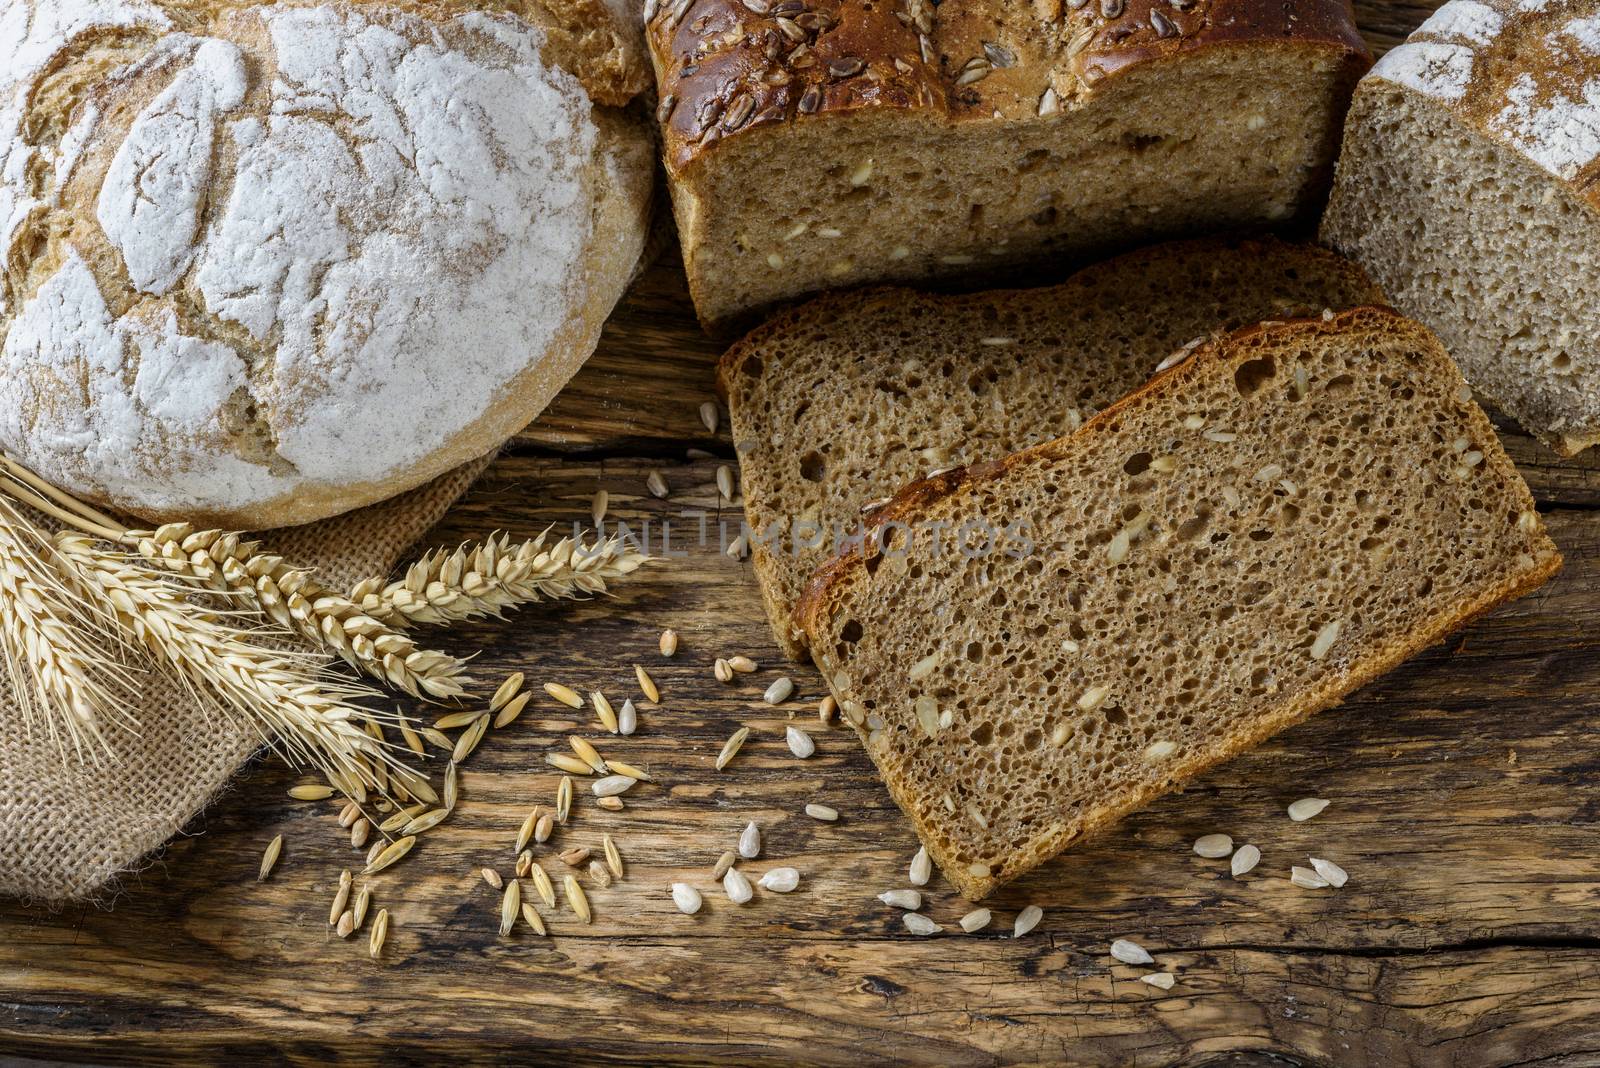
1335,875
627,718
800,743
730,748
1246,858
541,884
603,710
1307,878
587,753
598,873
613,856
510,906
1161,980
669,642
1305,808
724,862
687,898
512,709
647,685
1213,845
577,858
656,483
901,899
736,886
563,799
612,785
311,792
492,877
620,767
739,547
976,920
506,691
597,506
568,763
470,738
918,924
340,899
725,484
921,868
822,812
390,855
577,900
379,935
1130,952
531,917
780,880
750,841
709,415
780,691
565,694
1325,639
269,858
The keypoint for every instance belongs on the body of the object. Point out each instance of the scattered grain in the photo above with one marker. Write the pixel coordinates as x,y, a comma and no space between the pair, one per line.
565,694
470,738
577,900
311,792
613,856
610,804
512,709
541,883
603,711
568,763
587,753
269,858
341,898
379,935
730,748
576,857
647,685
627,718
724,862
669,642
492,877
346,925
599,875
510,906
742,664
390,854
827,708
563,799
822,812
621,767
531,917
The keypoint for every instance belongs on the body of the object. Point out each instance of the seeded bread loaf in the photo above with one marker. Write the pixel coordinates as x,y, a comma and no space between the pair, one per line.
818,144
844,400
1467,186
1257,532
264,263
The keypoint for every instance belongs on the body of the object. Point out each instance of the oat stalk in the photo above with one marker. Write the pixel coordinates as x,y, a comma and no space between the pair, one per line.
283,696
493,576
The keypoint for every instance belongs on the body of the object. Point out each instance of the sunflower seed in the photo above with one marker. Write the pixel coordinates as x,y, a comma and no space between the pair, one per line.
1162,980
750,841
730,748
492,877
470,738
901,899
531,917
311,792
390,855
577,900
921,868
1213,845
269,858
927,711
610,804
918,924
687,898
800,743
510,905
613,856
627,718
780,880
598,873
656,483
1307,878
1335,875
570,764
1244,860
622,768
1094,697
379,935
565,694
827,708
340,899
1305,808
577,858
1129,952
1325,639
525,832
512,710
597,506
737,887
724,862
647,685
822,812
976,920
563,799
742,664
544,828
541,884
347,925
587,753
709,414
360,833
612,785
721,671
739,547
669,642
780,691
725,484
425,822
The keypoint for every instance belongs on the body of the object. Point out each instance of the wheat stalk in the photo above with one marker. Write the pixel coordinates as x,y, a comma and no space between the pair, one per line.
283,696
291,597
493,576
56,653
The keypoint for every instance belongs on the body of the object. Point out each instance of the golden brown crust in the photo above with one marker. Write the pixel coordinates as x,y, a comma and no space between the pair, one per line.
735,67
832,581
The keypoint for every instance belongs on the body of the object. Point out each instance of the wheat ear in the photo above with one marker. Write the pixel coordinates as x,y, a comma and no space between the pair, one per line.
493,576
55,652
283,696
292,598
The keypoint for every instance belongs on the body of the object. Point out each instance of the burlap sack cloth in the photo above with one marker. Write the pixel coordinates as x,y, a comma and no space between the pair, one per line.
66,831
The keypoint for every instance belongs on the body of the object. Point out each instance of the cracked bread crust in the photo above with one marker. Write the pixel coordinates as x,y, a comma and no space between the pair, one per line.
1349,618
265,264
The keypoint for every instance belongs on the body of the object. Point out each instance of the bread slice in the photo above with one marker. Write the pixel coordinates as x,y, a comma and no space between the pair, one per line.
824,146
1254,534
850,397
1467,187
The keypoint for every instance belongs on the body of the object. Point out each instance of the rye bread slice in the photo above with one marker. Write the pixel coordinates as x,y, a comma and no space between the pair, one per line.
845,400
1248,538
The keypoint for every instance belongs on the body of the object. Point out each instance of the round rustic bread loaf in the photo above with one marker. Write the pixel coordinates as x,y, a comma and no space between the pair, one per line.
267,263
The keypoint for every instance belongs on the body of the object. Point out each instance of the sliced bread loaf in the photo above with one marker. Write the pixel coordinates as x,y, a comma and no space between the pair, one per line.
1254,534
848,398
1467,187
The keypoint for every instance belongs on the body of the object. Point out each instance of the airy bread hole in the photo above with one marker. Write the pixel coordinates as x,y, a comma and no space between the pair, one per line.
1252,375
813,466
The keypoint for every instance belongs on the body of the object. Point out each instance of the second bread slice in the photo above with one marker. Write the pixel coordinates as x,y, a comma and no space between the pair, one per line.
1256,533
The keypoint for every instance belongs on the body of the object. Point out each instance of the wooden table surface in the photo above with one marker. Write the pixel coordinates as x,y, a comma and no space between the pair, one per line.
1463,804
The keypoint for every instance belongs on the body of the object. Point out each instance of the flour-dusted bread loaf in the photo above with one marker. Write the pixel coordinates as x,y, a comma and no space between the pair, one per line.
816,144
844,400
1035,646
268,263
1467,188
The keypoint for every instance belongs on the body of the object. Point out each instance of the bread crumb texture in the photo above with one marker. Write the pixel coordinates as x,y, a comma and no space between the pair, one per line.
275,253
1237,545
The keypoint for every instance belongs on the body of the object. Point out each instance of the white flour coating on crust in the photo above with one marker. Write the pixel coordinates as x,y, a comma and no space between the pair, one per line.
1464,20
1560,134
1433,68
1585,32
404,232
